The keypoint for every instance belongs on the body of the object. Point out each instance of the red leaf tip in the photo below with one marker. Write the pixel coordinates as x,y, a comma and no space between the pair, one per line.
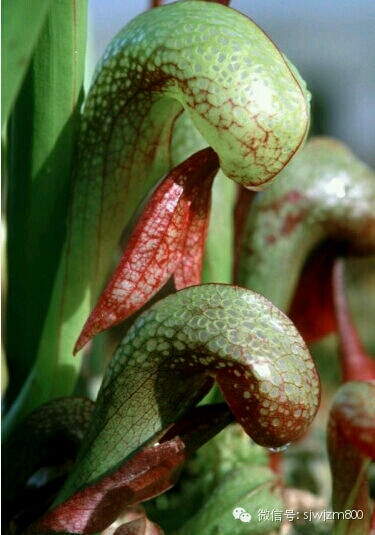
169,237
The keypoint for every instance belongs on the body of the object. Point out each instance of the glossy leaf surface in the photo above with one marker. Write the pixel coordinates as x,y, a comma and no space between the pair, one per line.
168,360
149,73
325,193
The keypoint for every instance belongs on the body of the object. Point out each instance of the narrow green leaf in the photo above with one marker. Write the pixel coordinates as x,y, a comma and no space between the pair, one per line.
21,24
40,150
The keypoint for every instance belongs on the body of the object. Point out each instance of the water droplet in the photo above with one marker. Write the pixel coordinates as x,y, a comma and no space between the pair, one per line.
280,448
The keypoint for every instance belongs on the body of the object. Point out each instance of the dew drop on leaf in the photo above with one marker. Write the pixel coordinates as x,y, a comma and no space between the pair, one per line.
280,448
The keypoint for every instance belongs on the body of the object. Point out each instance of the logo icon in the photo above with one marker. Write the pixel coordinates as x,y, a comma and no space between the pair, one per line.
239,513
245,517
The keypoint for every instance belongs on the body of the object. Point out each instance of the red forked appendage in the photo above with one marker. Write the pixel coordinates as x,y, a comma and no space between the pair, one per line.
168,238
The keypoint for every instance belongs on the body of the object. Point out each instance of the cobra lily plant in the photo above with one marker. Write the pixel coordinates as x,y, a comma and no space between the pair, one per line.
192,299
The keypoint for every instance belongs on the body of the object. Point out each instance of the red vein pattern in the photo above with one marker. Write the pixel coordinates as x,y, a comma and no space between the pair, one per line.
169,236
148,473
92,509
189,270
